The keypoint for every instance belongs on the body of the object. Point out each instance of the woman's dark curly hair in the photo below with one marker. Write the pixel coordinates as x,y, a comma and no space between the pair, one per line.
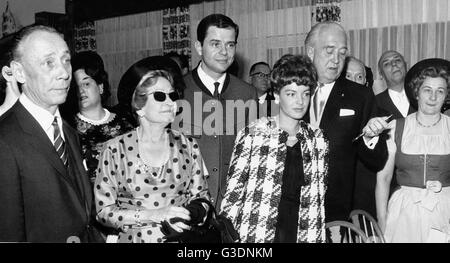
297,69
93,65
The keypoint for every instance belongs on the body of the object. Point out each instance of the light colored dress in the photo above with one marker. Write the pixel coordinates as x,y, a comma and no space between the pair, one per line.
124,184
423,172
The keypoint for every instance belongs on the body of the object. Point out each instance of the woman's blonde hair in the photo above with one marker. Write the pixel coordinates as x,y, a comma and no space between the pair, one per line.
140,94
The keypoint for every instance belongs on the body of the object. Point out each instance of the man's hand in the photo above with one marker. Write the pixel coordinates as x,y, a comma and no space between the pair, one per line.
376,126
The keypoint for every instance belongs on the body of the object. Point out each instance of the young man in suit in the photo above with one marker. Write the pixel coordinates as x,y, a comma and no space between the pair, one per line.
45,195
209,85
341,108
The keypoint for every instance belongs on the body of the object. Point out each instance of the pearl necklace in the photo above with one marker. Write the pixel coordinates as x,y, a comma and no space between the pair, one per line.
428,126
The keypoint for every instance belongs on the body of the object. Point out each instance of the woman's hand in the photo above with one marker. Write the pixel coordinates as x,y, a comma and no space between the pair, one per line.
176,214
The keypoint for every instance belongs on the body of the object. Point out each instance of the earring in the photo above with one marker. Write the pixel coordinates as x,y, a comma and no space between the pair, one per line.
140,113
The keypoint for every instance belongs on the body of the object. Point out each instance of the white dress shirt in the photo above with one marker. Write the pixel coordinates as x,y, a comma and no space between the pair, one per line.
262,99
42,116
326,90
400,101
208,81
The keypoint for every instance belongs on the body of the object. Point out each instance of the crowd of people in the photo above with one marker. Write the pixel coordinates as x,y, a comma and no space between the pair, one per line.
303,144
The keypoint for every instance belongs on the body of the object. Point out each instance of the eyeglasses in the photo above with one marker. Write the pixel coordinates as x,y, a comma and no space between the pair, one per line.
162,96
260,75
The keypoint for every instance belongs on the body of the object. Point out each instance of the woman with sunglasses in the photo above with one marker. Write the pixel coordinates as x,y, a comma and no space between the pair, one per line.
147,176
94,123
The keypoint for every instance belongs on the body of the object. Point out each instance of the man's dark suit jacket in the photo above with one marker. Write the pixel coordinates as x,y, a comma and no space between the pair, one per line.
387,106
268,108
340,131
40,200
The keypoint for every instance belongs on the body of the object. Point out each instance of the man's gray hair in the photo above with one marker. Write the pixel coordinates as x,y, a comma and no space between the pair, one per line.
315,30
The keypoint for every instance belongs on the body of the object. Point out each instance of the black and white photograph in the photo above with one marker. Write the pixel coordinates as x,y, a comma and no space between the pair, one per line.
225,127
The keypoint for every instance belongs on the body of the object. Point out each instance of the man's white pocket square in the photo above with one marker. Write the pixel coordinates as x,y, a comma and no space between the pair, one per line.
346,112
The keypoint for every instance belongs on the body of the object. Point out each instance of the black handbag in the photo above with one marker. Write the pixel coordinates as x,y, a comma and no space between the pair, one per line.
216,229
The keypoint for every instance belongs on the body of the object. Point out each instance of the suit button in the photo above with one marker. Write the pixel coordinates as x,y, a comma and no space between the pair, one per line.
215,169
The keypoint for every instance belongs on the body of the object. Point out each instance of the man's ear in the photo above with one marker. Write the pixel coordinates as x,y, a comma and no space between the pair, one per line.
198,47
18,72
310,52
7,73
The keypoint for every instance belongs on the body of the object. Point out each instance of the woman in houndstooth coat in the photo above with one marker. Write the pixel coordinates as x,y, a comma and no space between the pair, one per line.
277,178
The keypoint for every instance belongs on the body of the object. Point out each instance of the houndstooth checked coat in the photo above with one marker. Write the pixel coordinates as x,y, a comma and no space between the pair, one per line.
255,177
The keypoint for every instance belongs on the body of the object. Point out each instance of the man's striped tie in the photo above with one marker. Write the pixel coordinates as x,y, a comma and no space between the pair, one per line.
59,144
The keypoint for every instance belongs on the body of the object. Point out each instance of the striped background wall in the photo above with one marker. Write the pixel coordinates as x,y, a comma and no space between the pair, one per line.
270,28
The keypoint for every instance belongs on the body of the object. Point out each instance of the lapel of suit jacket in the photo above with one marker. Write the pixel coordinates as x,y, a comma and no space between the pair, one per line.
81,179
389,104
411,109
331,109
40,141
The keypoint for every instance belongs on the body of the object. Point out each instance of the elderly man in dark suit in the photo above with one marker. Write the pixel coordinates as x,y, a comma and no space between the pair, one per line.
395,99
45,195
341,109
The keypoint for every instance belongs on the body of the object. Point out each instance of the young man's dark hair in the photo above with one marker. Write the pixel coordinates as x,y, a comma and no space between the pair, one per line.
217,20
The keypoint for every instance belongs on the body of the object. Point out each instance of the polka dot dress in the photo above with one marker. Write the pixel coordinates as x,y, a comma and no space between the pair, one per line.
125,183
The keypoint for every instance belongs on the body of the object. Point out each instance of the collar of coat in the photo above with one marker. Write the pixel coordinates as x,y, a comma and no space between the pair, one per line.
311,140
256,169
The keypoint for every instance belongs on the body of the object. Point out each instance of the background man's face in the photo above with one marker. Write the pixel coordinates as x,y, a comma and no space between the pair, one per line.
328,53
260,78
393,68
46,68
218,50
356,72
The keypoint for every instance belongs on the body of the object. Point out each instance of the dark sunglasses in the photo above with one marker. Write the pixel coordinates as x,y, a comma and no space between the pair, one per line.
161,96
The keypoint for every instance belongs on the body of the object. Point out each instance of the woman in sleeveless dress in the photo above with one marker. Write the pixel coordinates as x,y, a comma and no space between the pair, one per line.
419,151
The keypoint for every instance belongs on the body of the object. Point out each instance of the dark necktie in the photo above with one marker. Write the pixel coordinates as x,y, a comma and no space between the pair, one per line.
216,89
59,144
